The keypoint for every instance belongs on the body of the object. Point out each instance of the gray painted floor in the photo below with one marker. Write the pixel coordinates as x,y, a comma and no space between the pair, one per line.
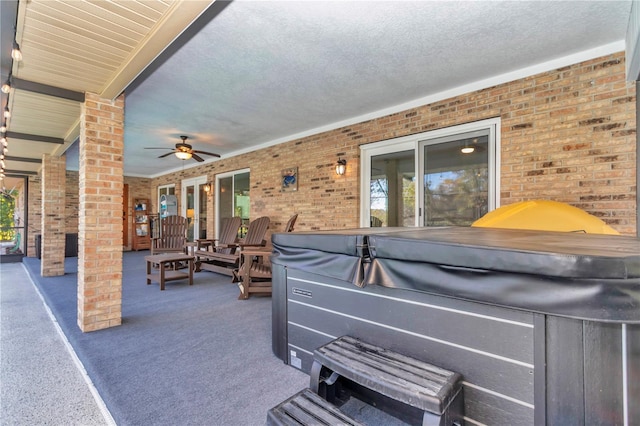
40,382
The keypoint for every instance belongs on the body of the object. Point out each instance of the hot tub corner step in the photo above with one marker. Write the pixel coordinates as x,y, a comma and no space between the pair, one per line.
429,392
307,408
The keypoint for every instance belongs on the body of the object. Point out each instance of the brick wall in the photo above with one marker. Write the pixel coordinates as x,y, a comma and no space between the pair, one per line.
567,135
100,215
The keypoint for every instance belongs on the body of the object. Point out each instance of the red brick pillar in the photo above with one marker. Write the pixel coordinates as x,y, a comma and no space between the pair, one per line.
52,224
100,216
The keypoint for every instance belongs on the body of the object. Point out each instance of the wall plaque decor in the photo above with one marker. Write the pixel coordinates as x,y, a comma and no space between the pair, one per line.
289,179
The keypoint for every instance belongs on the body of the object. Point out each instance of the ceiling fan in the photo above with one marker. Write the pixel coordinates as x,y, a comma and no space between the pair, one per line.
184,151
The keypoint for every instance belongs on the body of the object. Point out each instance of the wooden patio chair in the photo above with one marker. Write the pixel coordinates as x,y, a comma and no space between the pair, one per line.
228,236
291,223
254,273
226,261
173,236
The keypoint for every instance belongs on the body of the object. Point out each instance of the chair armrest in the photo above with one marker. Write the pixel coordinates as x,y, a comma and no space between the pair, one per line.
228,245
242,245
206,243
256,252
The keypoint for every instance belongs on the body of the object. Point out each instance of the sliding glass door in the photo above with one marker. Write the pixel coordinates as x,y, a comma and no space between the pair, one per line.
455,178
232,197
392,189
447,177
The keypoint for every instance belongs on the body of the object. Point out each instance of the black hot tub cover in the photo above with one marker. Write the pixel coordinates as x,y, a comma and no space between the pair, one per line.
577,275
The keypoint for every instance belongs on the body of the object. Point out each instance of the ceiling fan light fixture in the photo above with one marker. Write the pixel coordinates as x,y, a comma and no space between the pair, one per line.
183,155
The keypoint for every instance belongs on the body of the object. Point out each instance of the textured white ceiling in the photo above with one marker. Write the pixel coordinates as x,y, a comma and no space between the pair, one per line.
266,71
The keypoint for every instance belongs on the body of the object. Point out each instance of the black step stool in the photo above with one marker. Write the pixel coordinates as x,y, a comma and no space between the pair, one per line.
307,408
409,389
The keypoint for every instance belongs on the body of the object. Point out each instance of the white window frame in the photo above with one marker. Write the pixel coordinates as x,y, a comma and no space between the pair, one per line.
416,142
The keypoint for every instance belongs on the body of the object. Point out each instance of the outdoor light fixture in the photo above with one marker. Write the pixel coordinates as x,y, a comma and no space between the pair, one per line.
341,167
183,155
207,187
16,53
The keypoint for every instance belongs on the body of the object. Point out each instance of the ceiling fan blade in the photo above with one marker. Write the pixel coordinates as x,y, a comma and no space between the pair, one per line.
207,153
166,155
196,157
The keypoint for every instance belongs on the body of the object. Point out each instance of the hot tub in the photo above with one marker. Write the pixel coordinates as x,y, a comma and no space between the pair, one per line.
544,326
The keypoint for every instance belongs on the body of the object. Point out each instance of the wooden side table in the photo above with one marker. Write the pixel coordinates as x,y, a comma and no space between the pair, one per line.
165,273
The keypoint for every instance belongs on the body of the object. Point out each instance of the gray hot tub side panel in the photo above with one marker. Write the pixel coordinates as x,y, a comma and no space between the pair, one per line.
475,340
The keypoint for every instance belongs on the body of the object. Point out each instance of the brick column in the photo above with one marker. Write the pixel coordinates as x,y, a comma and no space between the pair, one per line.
52,223
100,215
34,217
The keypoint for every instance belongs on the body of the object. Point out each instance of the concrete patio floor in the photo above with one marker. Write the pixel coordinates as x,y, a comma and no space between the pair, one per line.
41,381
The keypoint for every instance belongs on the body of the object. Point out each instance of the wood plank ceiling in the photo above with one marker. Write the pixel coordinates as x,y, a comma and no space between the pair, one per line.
71,47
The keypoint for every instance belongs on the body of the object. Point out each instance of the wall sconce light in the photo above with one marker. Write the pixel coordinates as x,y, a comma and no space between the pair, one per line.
207,187
341,167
